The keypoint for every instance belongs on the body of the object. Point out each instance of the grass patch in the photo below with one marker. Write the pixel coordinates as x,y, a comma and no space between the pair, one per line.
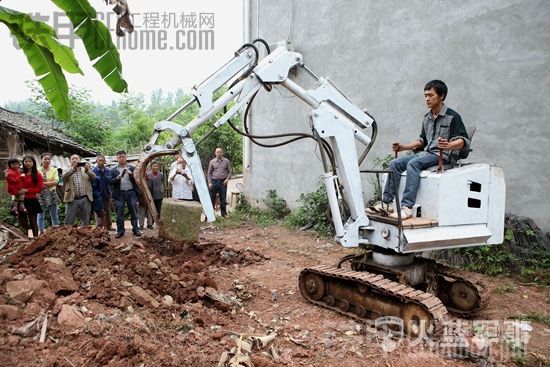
505,288
244,212
313,213
534,317
529,266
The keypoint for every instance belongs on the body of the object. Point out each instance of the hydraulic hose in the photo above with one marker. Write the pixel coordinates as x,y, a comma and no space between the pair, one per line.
373,138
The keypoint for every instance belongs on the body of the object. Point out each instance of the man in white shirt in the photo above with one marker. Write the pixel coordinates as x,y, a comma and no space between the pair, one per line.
175,162
181,180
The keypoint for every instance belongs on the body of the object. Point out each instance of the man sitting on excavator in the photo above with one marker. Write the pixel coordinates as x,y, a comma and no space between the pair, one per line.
442,130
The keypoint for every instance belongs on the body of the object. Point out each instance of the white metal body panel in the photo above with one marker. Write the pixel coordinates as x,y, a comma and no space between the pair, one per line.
450,198
496,206
436,238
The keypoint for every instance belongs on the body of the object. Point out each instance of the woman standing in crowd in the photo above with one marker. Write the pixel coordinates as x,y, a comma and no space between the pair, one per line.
48,197
30,186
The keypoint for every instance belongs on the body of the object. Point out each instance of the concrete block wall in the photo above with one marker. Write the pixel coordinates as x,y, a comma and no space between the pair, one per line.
494,56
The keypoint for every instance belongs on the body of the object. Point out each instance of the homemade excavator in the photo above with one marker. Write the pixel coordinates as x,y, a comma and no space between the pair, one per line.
464,206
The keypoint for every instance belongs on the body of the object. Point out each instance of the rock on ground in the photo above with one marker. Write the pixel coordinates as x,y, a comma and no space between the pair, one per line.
143,298
22,290
180,220
9,312
70,317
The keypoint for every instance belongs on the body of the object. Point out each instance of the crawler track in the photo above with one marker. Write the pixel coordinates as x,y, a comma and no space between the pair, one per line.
463,293
475,294
366,296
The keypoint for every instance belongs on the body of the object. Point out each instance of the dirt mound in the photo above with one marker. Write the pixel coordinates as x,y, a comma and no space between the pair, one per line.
85,283
103,271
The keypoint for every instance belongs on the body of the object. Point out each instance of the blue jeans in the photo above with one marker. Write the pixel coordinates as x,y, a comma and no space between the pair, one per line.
53,214
413,164
127,198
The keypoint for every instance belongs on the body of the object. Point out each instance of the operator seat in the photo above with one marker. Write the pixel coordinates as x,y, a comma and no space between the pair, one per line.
465,151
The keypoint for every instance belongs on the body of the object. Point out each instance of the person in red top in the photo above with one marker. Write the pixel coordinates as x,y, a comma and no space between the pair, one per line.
14,179
31,186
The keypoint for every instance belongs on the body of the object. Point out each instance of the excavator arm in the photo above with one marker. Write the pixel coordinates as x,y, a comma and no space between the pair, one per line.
336,123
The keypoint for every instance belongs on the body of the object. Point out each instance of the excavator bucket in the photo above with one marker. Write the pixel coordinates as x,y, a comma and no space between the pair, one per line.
140,176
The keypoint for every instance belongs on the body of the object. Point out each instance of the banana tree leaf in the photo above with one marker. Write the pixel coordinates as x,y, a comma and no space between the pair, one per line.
97,41
49,73
43,35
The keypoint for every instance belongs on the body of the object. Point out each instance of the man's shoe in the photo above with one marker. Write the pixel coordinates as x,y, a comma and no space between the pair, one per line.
406,213
141,228
118,235
150,226
137,233
380,207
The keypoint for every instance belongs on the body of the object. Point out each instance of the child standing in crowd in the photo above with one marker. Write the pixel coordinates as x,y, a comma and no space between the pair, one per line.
31,185
14,178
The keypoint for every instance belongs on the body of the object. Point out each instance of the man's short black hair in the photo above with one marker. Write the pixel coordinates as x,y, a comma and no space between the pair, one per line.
439,87
121,152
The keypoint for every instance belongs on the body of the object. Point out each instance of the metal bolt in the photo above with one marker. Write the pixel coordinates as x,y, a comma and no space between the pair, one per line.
249,54
297,58
281,77
315,114
270,61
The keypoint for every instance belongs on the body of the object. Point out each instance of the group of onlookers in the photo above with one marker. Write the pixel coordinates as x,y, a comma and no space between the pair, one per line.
84,190
88,191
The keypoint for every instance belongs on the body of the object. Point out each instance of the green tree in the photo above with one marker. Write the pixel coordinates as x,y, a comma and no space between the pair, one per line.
139,119
89,125
226,138
49,58
136,125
